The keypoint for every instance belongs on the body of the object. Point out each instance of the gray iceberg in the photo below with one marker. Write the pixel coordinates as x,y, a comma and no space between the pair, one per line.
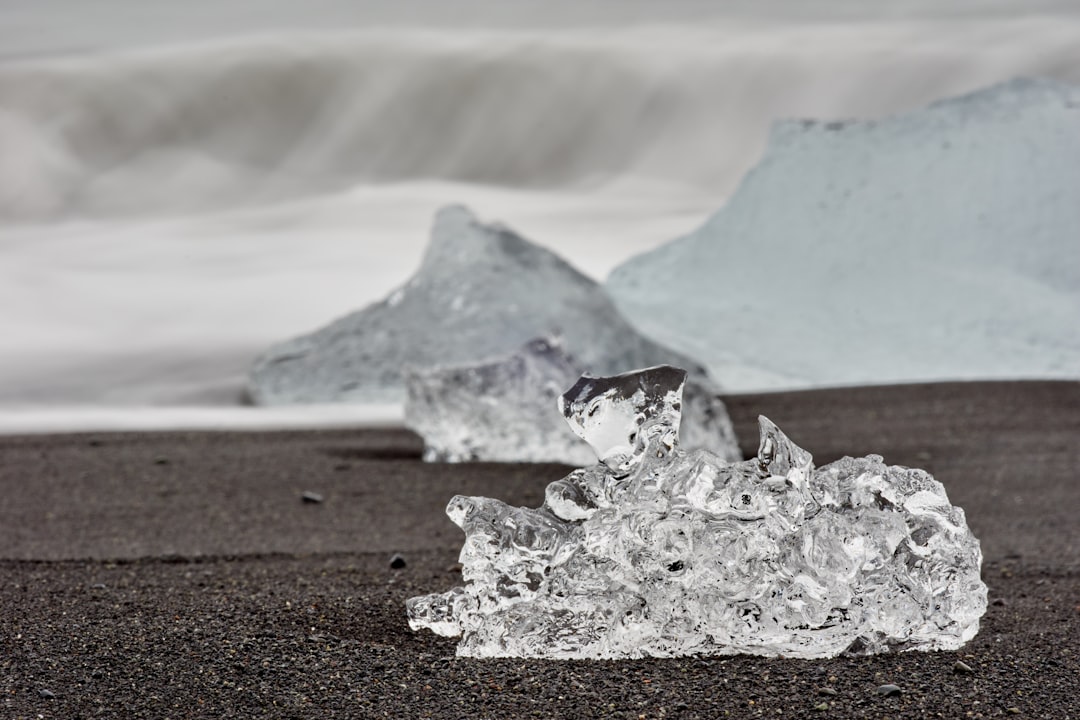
939,244
481,291
663,552
505,409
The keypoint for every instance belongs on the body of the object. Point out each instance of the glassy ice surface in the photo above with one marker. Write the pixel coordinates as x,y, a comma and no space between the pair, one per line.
507,410
658,551
962,217
482,291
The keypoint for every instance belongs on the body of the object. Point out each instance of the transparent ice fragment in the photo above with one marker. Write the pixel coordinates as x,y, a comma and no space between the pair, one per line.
626,416
506,409
659,551
498,410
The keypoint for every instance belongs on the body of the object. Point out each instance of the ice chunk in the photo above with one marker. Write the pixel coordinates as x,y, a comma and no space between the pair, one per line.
662,552
500,410
627,416
482,291
940,244
506,410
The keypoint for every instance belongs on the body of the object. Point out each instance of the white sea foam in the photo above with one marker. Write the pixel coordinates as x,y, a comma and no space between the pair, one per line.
181,188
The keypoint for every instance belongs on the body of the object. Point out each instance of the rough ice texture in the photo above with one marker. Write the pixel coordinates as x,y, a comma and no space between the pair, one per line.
506,410
658,551
940,244
481,291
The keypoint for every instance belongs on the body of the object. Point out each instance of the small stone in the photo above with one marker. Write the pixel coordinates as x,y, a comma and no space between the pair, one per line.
397,562
888,690
311,497
455,568
826,691
822,706
961,667
1013,710
99,586
161,460
1000,602
46,694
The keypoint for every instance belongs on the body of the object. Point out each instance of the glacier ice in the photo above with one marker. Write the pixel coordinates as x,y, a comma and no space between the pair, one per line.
659,551
481,291
937,244
505,409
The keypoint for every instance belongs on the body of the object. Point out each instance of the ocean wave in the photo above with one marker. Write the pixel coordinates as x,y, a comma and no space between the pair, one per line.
258,119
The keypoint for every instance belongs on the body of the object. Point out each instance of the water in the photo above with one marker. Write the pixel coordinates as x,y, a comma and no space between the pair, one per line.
183,185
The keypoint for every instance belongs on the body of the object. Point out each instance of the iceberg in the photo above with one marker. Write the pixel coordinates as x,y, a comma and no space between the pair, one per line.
659,551
938,244
506,410
481,291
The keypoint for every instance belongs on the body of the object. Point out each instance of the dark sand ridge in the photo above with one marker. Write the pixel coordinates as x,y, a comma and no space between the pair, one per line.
180,575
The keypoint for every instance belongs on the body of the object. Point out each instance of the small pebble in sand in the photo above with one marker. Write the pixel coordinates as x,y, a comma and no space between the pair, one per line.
826,691
311,497
888,690
46,694
397,562
961,667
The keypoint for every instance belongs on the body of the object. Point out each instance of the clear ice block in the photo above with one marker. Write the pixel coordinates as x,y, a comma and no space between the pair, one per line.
656,551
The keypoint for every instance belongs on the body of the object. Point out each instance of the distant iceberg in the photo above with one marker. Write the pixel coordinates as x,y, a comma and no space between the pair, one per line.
481,292
939,244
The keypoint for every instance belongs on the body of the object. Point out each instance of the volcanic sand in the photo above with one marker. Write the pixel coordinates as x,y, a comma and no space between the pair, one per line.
182,575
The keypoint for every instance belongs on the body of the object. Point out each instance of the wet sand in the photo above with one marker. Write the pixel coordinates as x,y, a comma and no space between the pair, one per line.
181,574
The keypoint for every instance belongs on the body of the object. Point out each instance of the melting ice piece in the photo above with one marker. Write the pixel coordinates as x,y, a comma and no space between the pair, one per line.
506,410
501,410
664,552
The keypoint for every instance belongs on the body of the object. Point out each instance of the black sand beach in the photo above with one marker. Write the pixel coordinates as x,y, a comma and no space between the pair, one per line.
153,575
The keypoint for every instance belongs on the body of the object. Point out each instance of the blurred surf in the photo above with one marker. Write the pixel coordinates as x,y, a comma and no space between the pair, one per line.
258,120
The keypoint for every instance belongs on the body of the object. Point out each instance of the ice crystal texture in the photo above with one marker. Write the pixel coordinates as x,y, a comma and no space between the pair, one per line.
506,410
482,291
941,243
658,551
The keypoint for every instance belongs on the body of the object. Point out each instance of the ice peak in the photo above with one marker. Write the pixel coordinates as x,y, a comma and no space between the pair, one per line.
459,238
777,455
456,233
624,417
